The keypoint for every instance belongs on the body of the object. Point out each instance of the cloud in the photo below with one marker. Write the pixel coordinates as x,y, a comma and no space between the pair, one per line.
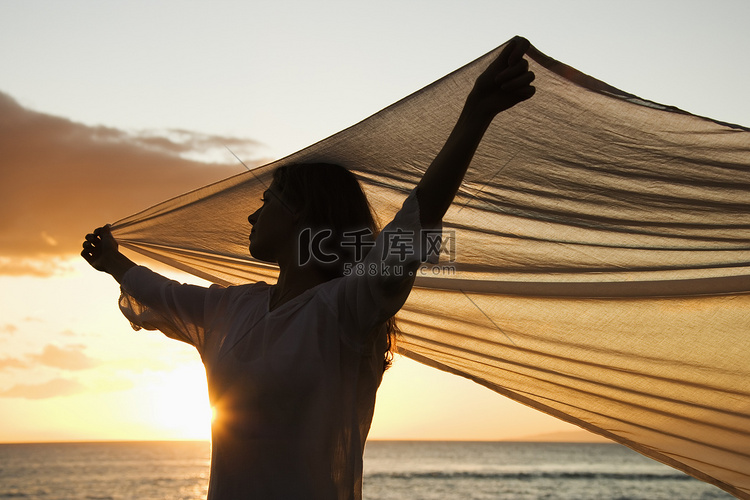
23,266
53,388
65,358
6,363
8,328
70,358
60,179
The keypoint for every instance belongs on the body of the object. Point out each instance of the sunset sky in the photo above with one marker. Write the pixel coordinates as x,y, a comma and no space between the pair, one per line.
107,108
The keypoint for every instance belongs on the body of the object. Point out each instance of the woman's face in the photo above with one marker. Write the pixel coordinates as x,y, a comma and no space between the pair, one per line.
272,237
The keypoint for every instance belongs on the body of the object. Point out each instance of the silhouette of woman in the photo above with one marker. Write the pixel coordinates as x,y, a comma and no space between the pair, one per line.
293,368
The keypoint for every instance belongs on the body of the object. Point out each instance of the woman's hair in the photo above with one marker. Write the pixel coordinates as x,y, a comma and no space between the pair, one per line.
337,219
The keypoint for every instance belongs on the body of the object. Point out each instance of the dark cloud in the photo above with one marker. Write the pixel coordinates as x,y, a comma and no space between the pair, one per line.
66,358
60,179
53,388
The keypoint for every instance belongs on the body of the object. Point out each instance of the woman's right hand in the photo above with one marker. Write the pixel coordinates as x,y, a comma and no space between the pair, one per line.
100,249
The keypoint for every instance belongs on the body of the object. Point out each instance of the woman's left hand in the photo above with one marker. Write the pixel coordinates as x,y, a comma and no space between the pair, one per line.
505,82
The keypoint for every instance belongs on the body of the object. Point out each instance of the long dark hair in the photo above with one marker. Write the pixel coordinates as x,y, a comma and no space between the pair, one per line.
330,199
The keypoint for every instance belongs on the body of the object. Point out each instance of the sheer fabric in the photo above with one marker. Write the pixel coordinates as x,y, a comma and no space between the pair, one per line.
595,265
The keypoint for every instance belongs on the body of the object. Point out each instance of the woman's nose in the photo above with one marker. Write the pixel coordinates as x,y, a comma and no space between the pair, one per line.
253,217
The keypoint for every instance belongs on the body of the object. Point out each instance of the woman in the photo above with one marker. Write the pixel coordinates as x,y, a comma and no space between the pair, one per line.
293,368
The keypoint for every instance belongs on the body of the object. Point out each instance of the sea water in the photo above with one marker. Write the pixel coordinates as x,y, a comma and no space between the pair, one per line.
105,471
393,470
523,471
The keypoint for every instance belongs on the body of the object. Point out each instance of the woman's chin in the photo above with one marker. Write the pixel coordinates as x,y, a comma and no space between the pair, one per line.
258,254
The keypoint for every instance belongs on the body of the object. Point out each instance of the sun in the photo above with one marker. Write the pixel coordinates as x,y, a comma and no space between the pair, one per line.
179,404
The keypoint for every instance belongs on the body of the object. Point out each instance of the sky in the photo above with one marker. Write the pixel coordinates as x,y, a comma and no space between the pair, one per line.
107,108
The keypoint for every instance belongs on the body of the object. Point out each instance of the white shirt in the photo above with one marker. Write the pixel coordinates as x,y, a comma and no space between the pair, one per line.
293,388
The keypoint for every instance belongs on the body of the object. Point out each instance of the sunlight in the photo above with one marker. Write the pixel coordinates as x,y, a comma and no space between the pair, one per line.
180,404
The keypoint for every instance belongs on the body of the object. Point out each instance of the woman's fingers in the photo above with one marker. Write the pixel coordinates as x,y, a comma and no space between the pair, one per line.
99,234
512,72
90,246
94,241
518,82
510,55
89,253
519,47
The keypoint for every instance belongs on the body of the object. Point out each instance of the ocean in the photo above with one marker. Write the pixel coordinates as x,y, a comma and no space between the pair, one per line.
393,470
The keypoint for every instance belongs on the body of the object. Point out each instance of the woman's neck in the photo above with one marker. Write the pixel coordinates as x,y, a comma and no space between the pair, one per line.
294,281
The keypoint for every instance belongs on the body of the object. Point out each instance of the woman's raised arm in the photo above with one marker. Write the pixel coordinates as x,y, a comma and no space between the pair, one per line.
505,83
